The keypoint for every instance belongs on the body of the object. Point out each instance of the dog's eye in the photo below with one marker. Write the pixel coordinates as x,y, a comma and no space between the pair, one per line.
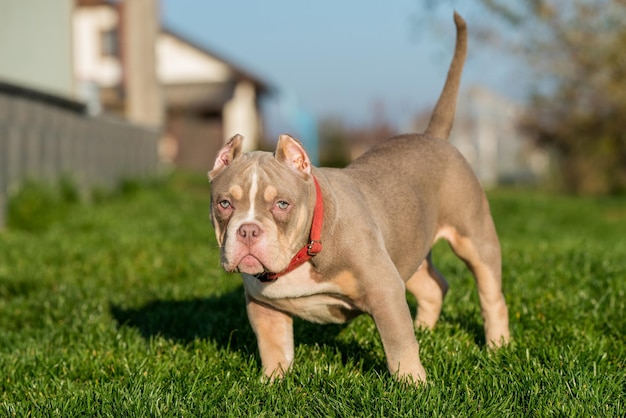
224,204
282,205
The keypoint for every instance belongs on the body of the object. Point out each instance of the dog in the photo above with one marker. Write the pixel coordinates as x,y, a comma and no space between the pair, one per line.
328,244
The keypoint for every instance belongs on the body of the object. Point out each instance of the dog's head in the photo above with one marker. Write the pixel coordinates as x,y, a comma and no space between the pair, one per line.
261,205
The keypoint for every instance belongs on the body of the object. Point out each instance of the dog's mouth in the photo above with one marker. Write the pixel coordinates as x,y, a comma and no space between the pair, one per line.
265,277
250,264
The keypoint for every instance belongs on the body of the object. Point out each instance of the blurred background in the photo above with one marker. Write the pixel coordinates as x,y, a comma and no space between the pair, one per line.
103,90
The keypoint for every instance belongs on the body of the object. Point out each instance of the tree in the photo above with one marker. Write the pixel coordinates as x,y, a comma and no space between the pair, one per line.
578,107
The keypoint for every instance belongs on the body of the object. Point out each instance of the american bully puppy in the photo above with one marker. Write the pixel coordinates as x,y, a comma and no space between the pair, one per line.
329,244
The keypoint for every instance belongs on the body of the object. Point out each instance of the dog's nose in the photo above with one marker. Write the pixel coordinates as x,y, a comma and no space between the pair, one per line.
249,233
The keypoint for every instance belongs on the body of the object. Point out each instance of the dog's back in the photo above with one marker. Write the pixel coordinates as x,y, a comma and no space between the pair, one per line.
398,175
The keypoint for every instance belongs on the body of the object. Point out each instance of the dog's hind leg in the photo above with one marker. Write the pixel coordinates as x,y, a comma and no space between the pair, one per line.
429,288
479,248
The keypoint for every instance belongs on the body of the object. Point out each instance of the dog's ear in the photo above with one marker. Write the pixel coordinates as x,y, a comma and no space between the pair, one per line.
290,152
227,154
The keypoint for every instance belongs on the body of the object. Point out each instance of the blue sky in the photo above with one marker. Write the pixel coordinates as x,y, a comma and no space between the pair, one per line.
342,57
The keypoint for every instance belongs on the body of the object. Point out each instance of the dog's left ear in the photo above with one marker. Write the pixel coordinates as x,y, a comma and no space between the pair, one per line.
227,154
290,152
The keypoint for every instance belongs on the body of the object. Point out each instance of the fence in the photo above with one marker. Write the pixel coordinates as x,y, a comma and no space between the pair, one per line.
44,137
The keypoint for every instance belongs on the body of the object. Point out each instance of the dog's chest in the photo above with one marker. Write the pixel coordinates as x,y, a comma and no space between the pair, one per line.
299,294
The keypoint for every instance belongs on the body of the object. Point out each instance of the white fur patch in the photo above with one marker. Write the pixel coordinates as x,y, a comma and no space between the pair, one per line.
254,188
297,293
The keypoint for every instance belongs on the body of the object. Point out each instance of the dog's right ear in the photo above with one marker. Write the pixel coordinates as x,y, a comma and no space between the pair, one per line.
227,154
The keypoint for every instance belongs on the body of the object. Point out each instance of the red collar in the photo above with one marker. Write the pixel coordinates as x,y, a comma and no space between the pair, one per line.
313,247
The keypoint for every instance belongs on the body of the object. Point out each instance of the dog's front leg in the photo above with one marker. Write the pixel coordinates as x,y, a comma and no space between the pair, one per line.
274,334
394,323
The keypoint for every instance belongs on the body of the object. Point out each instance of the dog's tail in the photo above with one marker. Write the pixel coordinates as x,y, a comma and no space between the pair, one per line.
443,116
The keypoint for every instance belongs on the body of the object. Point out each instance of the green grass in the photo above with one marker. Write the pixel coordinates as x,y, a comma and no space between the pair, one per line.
121,309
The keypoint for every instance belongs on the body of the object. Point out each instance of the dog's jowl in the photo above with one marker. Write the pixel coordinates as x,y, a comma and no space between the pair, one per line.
329,244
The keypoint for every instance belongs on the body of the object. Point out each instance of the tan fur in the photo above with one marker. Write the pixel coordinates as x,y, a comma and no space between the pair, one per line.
236,191
382,215
443,114
270,193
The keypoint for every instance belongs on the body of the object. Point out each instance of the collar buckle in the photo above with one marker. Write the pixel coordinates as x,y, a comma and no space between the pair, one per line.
314,247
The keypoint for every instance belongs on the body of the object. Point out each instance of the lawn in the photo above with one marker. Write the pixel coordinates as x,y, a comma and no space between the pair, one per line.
121,309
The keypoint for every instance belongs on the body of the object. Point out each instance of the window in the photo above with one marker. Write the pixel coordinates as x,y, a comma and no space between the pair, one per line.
110,42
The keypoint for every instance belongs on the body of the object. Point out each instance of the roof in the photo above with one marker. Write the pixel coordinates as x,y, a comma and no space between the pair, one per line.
264,87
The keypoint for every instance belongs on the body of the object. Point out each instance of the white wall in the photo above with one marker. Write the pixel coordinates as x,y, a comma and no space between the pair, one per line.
181,63
35,44
241,116
90,64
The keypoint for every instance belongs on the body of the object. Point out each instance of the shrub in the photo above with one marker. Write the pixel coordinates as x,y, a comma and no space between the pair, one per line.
35,206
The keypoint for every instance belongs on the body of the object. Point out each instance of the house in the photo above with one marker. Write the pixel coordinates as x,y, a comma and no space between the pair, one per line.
125,63
45,132
208,100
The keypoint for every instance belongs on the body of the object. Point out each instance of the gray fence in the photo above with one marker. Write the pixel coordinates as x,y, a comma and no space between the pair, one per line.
44,137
